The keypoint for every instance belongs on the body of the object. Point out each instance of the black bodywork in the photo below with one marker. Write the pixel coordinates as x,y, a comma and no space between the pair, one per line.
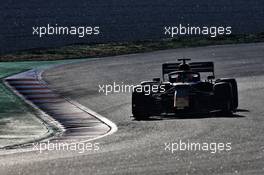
182,91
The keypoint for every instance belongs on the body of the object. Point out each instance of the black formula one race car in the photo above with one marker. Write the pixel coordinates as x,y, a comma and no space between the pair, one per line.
183,91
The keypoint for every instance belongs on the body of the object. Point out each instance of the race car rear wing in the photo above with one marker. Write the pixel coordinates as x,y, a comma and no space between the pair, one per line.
195,66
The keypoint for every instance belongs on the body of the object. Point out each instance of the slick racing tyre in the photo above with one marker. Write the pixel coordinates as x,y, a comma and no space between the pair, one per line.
234,91
140,105
223,96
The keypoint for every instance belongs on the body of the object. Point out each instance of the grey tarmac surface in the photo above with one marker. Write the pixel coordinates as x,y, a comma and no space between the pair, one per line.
138,146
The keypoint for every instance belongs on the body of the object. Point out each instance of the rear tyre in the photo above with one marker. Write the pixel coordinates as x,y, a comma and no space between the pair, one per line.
224,97
140,105
234,91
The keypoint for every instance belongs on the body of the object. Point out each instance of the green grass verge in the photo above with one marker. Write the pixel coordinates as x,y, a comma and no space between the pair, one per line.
111,49
18,123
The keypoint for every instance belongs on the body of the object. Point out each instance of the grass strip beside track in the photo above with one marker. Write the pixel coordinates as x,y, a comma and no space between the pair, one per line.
120,48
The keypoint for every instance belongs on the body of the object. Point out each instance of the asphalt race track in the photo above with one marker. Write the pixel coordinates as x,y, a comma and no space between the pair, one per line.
138,147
